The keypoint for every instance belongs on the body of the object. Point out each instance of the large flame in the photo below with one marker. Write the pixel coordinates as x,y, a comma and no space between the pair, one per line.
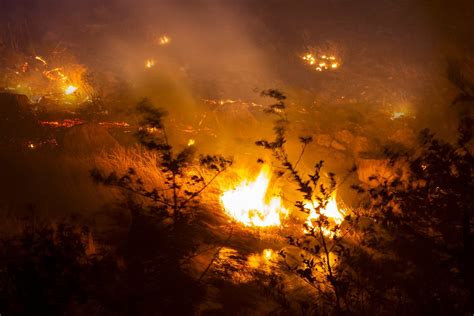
248,203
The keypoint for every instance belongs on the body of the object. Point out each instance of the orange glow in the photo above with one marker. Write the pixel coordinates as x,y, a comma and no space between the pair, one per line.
164,40
249,204
332,211
150,63
321,63
70,90
41,59
262,261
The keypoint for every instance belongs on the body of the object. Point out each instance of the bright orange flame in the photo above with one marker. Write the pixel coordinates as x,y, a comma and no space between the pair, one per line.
262,261
70,90
248,202
331,211
268,254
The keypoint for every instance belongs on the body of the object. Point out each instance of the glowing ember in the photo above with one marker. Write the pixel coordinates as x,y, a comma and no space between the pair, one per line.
331,211
55,74
70,90
164,40
150,63
64,123
321,63
114,124
248,202
397,115
41,59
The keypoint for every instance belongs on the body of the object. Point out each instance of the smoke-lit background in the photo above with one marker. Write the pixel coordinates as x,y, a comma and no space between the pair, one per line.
391,80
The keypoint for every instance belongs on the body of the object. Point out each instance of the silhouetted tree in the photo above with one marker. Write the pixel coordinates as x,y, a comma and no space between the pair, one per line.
162,233
428,215
321,245
182,186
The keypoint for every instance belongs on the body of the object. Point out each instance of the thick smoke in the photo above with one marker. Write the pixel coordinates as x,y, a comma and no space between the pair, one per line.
221,54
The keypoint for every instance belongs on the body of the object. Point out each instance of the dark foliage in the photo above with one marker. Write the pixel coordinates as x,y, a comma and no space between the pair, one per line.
408,250
181,188
320,248
428,216
48,270
164,231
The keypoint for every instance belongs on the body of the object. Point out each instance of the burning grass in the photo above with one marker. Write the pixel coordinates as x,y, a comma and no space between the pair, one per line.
249,202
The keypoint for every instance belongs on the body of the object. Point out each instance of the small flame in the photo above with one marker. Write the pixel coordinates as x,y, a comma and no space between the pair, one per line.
268,254
331,211
247,203
70,90
191,142
164,40
150,63
397,115
262,261
321,63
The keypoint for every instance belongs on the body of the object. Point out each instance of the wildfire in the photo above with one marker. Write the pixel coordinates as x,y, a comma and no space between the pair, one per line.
70,90
56,79
331,211
41,59
397,115
65,123
150,63
114,124
321,63
164,40
263,260
248,203
55,74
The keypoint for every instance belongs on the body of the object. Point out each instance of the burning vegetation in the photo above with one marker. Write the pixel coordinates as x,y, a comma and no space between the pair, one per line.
147,170
248,202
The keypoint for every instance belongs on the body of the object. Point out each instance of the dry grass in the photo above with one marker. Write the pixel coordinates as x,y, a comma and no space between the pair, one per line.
121,159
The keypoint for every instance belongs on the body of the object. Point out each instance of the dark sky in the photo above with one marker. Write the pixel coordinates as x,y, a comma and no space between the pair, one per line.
252,44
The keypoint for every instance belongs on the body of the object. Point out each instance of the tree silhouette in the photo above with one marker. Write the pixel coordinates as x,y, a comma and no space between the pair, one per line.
182,186
164,232
321,245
